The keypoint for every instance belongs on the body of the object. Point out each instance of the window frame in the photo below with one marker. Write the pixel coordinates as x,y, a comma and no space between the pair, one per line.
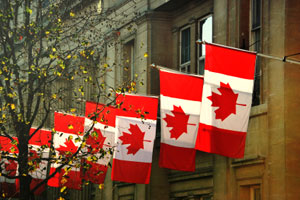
252,192
199,47
184,67
256,45
129,43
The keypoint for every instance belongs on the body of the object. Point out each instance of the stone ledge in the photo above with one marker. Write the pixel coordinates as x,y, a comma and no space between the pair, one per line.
254,160
259,110
207,172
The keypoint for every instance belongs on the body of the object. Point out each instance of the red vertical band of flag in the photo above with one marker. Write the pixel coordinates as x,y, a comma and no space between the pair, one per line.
231,62
135,134
9,187
105,114
180,101
226,101
142,107
68,123
41,137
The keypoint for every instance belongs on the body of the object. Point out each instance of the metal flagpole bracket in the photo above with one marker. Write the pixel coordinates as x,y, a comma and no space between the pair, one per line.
284,59
200,42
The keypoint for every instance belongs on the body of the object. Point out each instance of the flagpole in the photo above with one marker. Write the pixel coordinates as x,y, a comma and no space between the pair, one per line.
258,54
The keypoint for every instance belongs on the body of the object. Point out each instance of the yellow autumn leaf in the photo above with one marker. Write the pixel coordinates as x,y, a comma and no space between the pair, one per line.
89,158
77,140
53,49
63,189
54,96
101,186
28,10
70,126
146,55
72,14
83,144
59,20
47,32
12,106
69,56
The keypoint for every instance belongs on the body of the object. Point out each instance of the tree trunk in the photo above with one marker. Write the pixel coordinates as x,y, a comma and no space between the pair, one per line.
25,188
25,178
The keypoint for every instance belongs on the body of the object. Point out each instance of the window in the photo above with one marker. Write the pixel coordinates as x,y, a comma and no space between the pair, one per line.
255,192
256,46
128,58
250,192
185,49
204,34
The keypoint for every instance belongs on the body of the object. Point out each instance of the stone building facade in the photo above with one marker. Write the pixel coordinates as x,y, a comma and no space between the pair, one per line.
165,32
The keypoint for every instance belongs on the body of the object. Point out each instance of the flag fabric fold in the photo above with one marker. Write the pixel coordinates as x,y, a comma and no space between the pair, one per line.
135,134
180,105
100,142
226,101
66,141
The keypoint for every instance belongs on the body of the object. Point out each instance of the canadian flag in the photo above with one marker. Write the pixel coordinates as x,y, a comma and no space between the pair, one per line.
226,101
39,147
180,105
135,134
100,142
66,140
9,167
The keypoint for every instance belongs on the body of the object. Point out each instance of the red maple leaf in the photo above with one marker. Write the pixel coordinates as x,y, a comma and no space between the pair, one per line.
11,167
135,139
226,101
69,147
96,142
178,122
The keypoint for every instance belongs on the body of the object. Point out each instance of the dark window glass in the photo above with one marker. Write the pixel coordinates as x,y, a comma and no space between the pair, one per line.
256,10
256,35
185,45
